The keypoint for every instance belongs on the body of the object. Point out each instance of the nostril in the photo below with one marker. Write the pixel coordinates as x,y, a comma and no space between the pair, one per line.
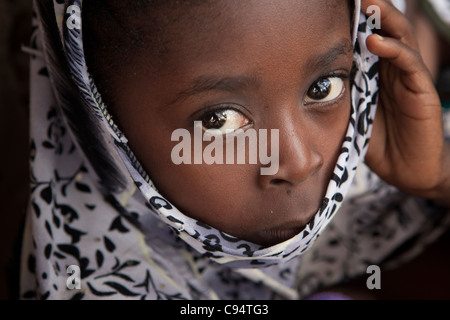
277,181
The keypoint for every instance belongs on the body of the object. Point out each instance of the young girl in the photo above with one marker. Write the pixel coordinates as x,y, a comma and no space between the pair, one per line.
107,198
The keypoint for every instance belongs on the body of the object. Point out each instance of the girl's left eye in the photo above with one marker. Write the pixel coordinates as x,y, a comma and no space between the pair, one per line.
325,90
223,121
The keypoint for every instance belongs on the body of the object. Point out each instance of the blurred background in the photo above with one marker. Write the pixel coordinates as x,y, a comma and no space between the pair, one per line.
15,30
426,277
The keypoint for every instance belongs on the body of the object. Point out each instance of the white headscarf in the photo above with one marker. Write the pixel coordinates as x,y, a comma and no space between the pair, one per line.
92,204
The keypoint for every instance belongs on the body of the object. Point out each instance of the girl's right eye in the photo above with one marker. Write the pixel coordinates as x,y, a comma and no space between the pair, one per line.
223,121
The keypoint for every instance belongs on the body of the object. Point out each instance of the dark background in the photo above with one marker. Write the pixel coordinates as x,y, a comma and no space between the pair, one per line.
15,29
426,277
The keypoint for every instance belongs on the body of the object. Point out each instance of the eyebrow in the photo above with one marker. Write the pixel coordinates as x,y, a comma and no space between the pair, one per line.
207,83
217,83
324,60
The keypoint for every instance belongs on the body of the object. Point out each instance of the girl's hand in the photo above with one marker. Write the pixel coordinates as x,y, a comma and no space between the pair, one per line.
407,149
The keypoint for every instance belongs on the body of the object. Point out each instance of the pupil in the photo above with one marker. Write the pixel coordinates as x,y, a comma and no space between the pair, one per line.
215,120
320,90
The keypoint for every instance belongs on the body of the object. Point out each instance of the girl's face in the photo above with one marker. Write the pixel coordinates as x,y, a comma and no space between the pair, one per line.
259,64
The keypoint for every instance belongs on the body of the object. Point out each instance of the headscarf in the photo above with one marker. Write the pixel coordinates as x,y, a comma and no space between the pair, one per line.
92,204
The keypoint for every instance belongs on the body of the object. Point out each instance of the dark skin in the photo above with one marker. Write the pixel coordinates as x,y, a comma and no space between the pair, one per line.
261,60
261,52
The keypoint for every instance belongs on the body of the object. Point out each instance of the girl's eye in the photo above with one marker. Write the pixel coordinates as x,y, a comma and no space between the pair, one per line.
223,121
325,89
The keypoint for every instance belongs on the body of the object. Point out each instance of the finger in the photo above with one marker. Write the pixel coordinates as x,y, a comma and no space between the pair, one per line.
399,54
413,76
393,22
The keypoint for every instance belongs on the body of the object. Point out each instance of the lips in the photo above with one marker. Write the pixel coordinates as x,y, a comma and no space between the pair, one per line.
283,231
278,235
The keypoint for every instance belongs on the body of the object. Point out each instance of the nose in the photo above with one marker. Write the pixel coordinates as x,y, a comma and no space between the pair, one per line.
299,157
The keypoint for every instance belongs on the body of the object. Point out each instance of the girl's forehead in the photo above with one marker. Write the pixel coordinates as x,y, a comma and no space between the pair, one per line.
246,44
230,10
228,23
182,39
